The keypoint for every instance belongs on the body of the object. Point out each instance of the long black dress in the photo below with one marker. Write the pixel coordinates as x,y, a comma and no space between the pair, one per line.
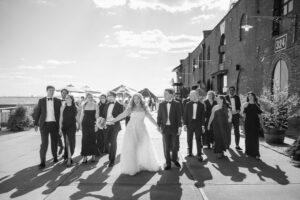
101,138
252,127
89,146
69,128
221,130
209,135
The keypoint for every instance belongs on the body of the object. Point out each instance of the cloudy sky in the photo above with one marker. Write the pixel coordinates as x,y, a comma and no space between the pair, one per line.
100,43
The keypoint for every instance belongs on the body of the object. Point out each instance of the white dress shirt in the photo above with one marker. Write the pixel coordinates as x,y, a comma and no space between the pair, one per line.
50,116
232,101
168,112
195,105
109,116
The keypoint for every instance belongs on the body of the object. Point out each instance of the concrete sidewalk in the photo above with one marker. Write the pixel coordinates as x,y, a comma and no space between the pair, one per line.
234,177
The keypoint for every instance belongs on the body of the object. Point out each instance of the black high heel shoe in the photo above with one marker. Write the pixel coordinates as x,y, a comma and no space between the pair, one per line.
84,160
93,159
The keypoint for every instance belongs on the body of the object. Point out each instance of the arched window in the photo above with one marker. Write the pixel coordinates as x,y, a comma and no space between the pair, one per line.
208,53
280,77
222,40
222,52
242,30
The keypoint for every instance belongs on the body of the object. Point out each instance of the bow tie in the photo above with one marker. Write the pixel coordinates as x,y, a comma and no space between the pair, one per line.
168,101
111,103
195,102
49,99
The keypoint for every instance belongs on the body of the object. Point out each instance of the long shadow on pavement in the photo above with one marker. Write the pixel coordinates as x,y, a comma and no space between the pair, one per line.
169,184
264,170
200,173
31,178
225,166
95,182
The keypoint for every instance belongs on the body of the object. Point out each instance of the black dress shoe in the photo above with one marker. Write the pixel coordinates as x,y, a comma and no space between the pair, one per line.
177,164
111,164
167,167
190,155
200,158
55,160
238,148
42,166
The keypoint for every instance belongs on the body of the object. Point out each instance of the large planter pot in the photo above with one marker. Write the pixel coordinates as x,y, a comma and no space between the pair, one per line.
274,136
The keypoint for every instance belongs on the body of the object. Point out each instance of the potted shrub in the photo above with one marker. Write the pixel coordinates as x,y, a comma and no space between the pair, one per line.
278,109
19,119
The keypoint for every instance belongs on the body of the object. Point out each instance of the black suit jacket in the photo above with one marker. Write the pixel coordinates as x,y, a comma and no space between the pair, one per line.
118,109
41,111
237,101
175,115
188,114
101,109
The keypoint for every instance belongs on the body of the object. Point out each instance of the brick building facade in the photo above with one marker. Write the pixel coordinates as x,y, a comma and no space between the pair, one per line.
256,45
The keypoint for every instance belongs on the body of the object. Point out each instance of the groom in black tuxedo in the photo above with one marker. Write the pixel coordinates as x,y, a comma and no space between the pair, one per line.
193,119
235,104
111,111
47,118
169,120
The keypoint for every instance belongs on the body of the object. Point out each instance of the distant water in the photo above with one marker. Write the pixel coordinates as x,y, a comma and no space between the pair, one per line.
18,100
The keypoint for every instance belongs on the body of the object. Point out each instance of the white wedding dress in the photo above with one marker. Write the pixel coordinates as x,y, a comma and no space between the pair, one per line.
137,152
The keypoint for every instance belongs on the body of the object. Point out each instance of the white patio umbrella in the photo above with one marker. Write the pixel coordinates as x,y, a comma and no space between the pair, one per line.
90,90
122,89
72,89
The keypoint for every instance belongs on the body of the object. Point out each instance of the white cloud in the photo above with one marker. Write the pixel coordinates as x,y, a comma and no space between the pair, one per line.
109,3
147,52
152,40
19,76
57,62
118,26
32,67
45,2
179,5
200,18
60,76
166,5
132,54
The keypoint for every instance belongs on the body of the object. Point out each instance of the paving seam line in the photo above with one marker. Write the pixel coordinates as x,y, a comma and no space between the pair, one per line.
73,170
201,191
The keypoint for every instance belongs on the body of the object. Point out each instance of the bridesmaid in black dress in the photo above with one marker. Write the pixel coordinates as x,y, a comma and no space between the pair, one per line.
219,121
209,103
68,120
252,113
101,137
89,115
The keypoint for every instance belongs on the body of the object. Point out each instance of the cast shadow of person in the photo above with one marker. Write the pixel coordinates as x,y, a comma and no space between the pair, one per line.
93,183
31,178
77,169
169,184
199,172
225,166
260,168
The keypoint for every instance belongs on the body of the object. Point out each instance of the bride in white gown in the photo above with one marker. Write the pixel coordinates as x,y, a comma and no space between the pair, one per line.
137,152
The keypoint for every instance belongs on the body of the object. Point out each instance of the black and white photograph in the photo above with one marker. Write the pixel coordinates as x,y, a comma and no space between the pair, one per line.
149,99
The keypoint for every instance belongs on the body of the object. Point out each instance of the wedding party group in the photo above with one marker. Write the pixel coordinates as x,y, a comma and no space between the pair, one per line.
210,121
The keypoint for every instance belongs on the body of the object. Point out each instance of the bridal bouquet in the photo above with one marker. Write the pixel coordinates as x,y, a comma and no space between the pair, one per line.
101,123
